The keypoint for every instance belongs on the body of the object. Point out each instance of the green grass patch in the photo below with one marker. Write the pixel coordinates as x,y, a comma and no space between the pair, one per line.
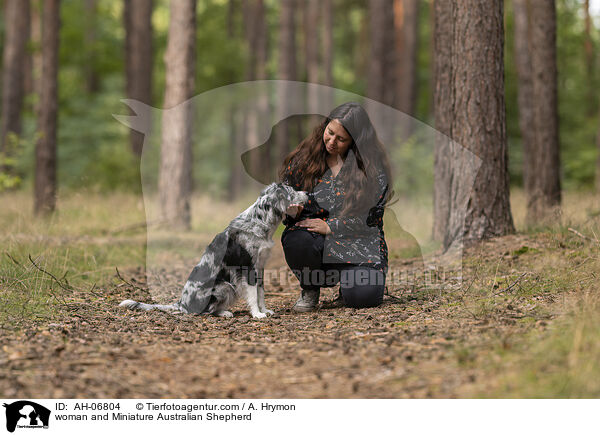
36,278
561,362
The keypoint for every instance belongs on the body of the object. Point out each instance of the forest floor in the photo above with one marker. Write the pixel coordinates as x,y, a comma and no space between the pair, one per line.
524,323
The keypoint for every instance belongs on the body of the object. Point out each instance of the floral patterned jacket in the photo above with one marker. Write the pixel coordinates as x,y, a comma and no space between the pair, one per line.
356,239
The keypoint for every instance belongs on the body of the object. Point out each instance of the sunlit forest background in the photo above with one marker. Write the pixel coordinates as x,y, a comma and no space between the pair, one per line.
93,149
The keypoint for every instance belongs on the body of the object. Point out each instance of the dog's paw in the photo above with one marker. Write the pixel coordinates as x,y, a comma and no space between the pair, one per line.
259,315
224,313
269,312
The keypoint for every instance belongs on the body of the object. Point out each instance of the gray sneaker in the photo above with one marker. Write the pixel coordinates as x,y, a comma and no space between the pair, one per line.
308,301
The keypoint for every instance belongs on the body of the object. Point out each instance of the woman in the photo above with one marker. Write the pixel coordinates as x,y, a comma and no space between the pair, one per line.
338,235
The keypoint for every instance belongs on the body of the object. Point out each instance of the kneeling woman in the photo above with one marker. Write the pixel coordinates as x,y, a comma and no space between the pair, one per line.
337,237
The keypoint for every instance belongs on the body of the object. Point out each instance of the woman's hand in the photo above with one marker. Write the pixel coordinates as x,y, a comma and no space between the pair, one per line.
315,225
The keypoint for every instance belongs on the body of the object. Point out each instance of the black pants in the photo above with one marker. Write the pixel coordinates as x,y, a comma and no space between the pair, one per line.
360,287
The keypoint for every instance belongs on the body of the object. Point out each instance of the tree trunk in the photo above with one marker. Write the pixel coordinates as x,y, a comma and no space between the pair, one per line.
590,64
311,51
235,182
287,41
381,80
380,85
525,90
137,16
443,106
16,24
91,77
544,201
588,47
255,31
261,42
327,44
406,20
261,51
286,71
376,65
250,34
36,55
239,125
28,31
598,163
45,150
478,122
175,177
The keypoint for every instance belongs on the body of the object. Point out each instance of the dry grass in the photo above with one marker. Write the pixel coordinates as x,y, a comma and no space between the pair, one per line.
553,352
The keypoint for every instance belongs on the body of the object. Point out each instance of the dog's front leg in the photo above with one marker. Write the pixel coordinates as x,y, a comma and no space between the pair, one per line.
261,292
252,300
259,268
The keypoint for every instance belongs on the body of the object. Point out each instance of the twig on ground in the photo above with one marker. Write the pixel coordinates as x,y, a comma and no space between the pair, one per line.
127,282
583,236
510,287
13,260
94,292
61,299
50,275
461,297
387,293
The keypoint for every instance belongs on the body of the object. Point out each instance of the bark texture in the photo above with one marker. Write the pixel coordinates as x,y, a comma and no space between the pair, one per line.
380,78
287,67
175,177
525,90
327,46
13,67
311,51
406,19
33,62
544,201
234,185
138,59
256,35
478,124
91,76
588,47
45,150
598,163
381,65
443,106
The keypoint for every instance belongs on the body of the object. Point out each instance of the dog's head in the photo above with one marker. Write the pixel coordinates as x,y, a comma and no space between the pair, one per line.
281,196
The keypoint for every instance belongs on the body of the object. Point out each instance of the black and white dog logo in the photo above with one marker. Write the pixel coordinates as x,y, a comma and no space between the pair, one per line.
26,414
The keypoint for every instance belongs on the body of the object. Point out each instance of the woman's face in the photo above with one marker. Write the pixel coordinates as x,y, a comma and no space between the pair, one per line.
336,139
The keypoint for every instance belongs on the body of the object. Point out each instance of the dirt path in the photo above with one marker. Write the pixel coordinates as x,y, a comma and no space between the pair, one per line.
424,344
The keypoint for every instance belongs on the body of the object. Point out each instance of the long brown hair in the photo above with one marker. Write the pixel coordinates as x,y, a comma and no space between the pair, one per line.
366,159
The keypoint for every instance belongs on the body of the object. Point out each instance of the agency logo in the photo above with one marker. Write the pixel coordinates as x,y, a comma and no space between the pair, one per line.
24,414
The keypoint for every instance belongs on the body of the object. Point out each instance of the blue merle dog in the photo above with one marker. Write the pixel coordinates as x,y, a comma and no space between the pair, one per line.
233,264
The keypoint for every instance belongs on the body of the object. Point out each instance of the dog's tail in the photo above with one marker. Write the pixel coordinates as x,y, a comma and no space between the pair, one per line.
133,305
